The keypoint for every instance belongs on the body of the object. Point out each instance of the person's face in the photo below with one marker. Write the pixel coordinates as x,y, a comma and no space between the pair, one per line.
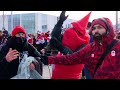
98,30
20,35
118,36
1,33
87,30
19,41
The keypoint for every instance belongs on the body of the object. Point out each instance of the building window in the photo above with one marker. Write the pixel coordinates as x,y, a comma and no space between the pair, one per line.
28,22
69,25
44,28
66,26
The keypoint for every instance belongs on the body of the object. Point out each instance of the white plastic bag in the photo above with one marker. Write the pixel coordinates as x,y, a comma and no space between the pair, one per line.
23,69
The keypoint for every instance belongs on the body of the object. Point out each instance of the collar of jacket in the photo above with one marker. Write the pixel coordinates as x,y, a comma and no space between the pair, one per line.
106,40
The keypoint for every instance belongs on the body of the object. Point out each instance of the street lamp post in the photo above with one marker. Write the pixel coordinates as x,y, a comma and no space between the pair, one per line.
11,20
3,19
116,20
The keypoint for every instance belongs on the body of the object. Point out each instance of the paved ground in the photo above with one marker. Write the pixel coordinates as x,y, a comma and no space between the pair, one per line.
47,71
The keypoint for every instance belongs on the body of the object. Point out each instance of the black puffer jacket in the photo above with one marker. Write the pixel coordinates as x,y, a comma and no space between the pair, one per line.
9,69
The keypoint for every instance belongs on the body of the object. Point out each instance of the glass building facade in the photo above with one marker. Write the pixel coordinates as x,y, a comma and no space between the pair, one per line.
44,22
32,22
28,22
16,21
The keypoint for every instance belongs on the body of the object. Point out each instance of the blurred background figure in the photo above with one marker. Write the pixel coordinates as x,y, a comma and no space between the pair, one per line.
1,33
118,35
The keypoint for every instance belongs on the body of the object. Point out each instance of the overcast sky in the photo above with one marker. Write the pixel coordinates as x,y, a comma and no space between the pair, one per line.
77,15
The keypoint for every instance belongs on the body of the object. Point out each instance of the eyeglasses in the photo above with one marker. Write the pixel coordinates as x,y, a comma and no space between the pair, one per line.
20,35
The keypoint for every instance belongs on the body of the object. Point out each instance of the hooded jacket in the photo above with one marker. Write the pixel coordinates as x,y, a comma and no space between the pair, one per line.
90,54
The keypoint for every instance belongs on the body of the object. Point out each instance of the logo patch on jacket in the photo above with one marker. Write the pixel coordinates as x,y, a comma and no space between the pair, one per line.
92,55
113,53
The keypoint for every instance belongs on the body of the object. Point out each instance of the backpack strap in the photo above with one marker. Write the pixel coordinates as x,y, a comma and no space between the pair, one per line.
108,49
80,47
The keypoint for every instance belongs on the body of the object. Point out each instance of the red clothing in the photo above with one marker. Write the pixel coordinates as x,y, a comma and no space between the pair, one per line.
46,38
67,71
40,37
30,40
73,39
89,55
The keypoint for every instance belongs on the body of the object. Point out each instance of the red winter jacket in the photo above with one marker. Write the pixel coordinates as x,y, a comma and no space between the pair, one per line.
90,54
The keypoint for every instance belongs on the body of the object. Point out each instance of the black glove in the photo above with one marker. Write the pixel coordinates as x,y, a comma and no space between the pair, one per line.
44,59
56,32
62,16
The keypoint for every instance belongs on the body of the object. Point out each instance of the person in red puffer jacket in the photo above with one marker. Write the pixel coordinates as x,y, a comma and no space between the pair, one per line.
103,33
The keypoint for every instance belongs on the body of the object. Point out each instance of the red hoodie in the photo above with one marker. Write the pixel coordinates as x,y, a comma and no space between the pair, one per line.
73,39
67,71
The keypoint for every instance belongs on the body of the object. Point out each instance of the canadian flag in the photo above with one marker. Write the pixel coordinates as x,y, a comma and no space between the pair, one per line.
113,53
92,55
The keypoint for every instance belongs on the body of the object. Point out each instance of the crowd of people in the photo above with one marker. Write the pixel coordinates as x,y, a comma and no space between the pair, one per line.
87,50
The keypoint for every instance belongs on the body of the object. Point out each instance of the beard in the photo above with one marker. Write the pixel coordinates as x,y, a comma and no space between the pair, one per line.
18,43
98,36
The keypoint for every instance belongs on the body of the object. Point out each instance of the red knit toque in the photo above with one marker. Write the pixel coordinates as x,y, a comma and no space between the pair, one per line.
18,29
